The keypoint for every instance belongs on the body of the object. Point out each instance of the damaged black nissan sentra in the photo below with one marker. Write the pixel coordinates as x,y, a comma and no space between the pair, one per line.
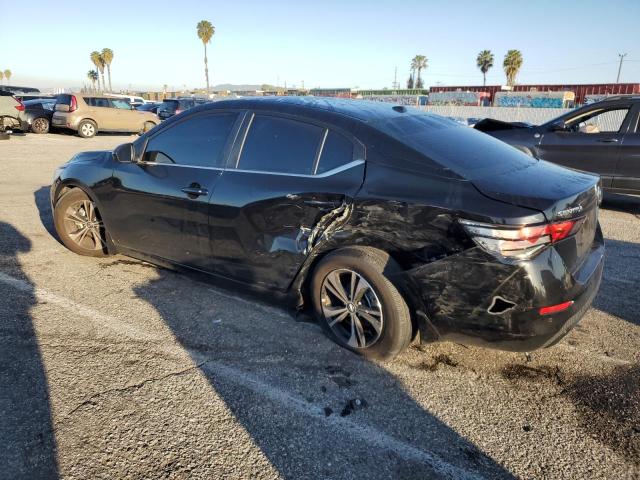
388,222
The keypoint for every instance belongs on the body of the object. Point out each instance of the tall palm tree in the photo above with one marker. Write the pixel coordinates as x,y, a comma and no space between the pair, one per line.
205,32
7,75
484,61
92,75
107,56
418,64
511,64
96,59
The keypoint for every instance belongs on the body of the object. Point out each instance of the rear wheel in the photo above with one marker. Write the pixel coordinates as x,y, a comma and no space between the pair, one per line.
79,224
148,126
87,129
358,306
40,125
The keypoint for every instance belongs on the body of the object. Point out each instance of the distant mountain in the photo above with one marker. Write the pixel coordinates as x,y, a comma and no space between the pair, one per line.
235,88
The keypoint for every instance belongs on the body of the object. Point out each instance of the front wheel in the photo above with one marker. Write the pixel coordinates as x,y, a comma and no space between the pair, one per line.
79,224
358,306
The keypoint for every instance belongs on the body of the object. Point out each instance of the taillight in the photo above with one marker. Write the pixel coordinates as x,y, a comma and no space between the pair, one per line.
20,106
73,106
519,242
178,111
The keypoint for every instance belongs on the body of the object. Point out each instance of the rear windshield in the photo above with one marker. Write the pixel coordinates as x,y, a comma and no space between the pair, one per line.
461,149
64,99
169,105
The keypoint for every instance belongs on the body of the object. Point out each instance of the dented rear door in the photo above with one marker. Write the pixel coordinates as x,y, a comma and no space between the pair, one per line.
292,181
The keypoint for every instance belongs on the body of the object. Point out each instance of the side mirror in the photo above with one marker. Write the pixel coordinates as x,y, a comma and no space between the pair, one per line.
125,153
559,126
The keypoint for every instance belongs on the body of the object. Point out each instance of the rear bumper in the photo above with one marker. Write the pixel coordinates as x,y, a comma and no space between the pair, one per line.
454,296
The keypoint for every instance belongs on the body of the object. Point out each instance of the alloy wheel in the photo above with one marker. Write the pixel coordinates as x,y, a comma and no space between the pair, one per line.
351,308
83,226
39,125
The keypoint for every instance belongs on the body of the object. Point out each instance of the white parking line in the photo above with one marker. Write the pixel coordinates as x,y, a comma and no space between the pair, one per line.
362,431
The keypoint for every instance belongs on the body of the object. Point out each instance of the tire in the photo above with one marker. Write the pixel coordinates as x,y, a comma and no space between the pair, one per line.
87,129
79,224
147,126
40,125
381,300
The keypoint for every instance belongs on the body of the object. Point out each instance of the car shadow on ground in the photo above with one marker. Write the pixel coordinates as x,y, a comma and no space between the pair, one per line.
43,204
621,203
346,410
618,293
26,429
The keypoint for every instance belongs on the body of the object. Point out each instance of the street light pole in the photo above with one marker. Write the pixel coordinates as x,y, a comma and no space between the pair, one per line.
621,55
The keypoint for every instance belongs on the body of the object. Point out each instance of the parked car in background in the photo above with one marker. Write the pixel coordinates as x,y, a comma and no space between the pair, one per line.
149,107
10,110
87,114
387,221
602,138
134,100
37,114
173,106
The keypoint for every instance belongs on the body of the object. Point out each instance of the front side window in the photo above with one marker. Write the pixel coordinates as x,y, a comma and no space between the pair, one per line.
599,121
121,104
198,141
275,144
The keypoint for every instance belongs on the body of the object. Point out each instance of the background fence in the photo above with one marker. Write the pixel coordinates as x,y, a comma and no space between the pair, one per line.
507,114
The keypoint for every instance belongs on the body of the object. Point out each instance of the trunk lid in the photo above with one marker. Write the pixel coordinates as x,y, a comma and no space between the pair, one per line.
560,193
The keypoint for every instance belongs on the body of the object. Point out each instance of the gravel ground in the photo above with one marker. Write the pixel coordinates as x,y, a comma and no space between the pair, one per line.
113,368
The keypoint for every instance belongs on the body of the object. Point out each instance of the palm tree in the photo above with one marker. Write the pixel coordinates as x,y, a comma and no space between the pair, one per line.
96,60
511,64
7,75
92,75
484,61
410,81
418,64
107,56
205,32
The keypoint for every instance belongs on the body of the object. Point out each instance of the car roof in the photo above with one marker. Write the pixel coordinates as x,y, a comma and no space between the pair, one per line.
362,110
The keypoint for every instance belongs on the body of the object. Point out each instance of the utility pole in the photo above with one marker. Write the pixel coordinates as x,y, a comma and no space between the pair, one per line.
621,55
395,79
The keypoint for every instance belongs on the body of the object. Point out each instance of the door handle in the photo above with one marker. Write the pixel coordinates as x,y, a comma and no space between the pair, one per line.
608,140
195,191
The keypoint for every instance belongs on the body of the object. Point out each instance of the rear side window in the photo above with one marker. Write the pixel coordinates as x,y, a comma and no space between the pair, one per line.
337,151
463,150
280,145
198,141
97,102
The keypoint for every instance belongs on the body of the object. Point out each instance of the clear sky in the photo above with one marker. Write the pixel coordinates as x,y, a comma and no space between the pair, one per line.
326,43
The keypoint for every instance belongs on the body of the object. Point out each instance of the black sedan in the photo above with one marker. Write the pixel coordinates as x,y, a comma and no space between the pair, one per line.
37,114
149,107
602,138
386,221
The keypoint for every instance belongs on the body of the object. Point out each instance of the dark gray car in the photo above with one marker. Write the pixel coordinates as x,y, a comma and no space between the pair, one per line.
602,138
